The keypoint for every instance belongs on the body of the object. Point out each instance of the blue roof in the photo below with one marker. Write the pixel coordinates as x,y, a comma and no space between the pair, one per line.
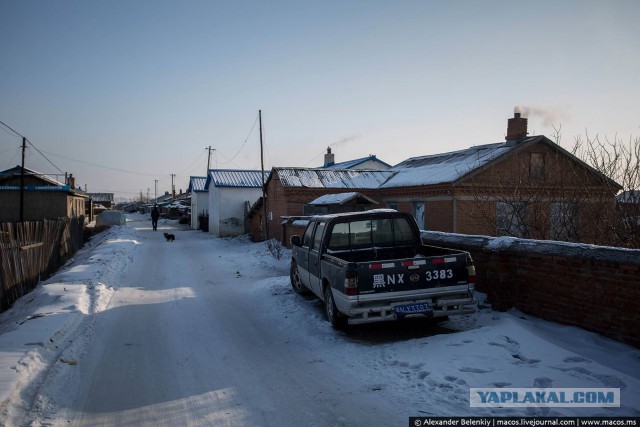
350,164
235,178
197,183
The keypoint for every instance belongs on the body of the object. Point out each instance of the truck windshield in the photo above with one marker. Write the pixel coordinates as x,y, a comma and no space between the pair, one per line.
367,233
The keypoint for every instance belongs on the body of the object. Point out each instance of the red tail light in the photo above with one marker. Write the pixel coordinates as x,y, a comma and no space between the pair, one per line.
351,283
472,274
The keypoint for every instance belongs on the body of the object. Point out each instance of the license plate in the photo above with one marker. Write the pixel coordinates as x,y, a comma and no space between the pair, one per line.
421,307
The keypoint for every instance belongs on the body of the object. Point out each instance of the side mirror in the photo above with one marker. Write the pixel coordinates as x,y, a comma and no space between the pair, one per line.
295,240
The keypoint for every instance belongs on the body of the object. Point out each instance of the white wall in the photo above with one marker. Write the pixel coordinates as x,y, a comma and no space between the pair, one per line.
199,204
227,209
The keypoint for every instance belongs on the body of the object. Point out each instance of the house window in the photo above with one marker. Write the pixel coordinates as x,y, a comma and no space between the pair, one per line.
536,166
564,222
419,214
511,219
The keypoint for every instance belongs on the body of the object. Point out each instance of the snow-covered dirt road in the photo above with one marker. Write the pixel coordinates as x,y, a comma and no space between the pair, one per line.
206,331
181,344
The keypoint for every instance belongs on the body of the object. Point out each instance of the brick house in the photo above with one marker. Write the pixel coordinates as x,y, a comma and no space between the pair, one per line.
289,189
525,186
44,197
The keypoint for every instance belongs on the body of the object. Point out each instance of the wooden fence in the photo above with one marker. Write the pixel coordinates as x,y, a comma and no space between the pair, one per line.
32,251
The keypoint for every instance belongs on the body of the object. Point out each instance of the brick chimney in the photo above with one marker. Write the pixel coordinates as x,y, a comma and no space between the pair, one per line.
71,181
329,159
516,128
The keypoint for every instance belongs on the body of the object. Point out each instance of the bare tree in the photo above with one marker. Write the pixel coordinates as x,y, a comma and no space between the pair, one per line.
620,162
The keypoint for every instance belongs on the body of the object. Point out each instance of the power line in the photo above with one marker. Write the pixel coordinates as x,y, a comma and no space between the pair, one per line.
11,129
100,166
193,163
45,157
30,143
244,143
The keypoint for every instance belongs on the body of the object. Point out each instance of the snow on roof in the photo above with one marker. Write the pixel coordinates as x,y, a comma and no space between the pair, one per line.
340,199
445,167
197,183
349,164
16,171
235,178
329,178
101,197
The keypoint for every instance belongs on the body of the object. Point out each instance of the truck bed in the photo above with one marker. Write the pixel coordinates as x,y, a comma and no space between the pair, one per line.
389,253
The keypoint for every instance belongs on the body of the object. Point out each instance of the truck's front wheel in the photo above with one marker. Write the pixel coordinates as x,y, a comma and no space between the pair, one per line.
334,317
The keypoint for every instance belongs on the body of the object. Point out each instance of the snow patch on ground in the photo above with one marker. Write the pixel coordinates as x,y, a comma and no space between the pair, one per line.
44,328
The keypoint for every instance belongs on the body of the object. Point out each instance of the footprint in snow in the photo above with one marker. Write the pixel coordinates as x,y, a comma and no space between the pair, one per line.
542,382
575,359
501,385
475,370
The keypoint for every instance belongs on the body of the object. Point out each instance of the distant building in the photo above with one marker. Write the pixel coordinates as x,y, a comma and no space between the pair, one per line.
44,197
370,162
104,199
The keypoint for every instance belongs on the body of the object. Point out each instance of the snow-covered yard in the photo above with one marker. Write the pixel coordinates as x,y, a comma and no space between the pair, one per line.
51,344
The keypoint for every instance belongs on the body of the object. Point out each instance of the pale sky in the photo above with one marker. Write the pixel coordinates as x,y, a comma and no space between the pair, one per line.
120,93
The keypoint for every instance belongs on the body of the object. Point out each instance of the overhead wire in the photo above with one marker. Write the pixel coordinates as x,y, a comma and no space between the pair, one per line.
101,166
11,129
244,143
45,157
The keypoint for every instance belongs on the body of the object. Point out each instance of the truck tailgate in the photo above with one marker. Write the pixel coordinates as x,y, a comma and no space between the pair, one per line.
412,274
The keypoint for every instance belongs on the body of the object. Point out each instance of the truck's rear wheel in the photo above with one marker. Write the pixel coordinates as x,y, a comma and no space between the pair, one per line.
296,283
334,317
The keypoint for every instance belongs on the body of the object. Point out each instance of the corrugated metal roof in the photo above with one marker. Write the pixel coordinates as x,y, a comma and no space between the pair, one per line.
329,178
236,178
197,183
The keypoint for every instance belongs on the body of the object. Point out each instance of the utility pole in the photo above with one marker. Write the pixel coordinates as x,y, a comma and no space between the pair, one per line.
209,159
173,187
264,194
24,147
155,202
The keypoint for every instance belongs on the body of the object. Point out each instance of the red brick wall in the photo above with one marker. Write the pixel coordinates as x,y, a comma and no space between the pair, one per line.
594,287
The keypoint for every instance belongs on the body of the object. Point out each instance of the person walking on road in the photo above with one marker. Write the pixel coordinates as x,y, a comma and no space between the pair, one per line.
155,214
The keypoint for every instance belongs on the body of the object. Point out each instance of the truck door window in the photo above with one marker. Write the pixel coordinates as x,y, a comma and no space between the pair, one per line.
402,230
318,236
339,237
306,239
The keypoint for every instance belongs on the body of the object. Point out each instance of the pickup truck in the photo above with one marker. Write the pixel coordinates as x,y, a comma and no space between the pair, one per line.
372,266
